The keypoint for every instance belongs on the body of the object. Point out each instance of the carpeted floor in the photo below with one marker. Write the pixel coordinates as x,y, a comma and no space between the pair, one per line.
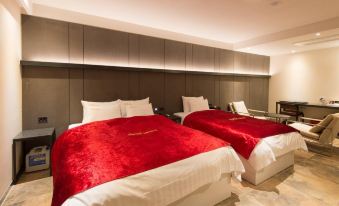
313,181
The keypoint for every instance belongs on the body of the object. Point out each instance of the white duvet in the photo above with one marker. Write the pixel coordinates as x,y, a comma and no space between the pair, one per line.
269,148
163,185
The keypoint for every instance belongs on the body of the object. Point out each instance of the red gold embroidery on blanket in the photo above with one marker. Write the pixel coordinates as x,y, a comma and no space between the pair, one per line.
237,118
142,133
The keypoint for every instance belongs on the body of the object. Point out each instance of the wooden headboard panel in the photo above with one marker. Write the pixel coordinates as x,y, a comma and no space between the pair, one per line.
56,92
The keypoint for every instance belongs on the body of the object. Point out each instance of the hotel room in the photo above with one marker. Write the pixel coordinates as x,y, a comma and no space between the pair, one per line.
169,103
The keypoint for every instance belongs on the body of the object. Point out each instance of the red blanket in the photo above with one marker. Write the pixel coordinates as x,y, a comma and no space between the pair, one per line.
103,151
242,132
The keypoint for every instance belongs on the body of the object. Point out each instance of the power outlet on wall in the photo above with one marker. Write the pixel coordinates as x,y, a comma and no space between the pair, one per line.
42,120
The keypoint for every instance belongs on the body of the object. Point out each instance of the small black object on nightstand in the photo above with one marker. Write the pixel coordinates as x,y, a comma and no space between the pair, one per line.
174,118
159,110
214,107
36,137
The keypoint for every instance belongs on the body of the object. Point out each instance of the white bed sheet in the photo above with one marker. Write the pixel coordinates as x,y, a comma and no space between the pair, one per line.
269,148
71,126
163,185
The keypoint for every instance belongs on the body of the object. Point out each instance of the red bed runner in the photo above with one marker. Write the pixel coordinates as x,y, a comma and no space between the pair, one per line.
242,132
103,151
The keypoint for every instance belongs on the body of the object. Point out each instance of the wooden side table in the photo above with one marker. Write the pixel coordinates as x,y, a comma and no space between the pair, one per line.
46,135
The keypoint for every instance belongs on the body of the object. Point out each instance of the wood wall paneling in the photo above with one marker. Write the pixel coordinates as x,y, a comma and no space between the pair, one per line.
175,55
76,90
151,52
58,41
46,94
76,50
152,84
266,68
133,85
56,92
202,85
105,47
174,89
203,58
241,65
217,60
258,93
226,61
226,91
120,48
189,53
242,89
105,85
133,50
44,39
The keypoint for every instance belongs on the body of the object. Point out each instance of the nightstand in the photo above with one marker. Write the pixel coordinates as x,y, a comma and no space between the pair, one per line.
174,118
28,140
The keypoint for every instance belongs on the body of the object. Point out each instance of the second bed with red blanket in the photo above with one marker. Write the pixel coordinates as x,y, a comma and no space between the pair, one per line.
259,142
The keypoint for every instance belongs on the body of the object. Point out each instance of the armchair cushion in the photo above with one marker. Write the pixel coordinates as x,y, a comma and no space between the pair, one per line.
240,107
318,128
304,130
331,131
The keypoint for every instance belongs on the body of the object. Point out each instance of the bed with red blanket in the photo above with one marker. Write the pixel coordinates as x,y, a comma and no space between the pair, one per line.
147,160
259,143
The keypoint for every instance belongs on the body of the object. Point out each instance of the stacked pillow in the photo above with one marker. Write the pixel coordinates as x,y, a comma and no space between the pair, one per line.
193,104
97,111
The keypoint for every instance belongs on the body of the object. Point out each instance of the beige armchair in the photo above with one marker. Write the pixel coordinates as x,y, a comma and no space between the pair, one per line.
322,134
240,108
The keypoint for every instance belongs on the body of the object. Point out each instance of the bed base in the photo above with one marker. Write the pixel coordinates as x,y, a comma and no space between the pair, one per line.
208,195
257,177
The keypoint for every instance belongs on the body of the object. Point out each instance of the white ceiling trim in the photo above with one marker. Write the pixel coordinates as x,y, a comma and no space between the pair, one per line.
299,31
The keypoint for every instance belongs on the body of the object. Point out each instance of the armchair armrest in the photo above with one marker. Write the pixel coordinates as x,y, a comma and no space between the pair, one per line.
293,121
257,111
245,114
310,119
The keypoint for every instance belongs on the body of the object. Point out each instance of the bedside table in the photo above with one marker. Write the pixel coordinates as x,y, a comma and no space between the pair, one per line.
36,137
173,118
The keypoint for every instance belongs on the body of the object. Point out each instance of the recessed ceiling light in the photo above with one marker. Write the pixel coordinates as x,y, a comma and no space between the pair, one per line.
248,48
293,51
317,34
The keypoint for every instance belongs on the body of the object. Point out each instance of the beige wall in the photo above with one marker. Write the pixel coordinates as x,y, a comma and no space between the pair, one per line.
10,86
305,76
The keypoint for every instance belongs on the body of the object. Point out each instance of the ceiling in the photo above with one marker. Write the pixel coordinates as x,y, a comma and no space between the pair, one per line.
266,27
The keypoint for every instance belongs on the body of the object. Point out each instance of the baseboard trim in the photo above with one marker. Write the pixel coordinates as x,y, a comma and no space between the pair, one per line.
3,198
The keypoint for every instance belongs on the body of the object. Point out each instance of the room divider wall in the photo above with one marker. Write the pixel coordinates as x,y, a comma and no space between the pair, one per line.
65,62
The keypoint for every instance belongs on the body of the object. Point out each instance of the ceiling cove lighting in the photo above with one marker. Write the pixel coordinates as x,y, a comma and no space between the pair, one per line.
318,40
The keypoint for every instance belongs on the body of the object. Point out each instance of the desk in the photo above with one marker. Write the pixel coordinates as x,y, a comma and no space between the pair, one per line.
324,106
295,111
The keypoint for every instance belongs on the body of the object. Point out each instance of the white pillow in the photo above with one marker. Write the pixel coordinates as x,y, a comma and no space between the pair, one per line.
96,111
139,110
186,100
124,103
198,105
